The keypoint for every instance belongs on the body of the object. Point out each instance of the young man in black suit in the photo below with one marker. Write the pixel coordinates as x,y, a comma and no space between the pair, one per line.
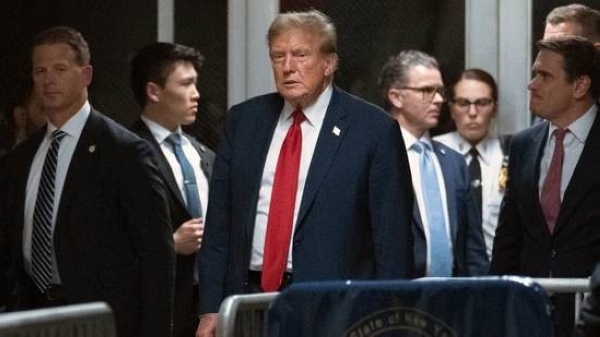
163,79
87,215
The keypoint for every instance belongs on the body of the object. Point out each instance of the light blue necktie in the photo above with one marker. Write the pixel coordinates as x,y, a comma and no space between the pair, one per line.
439,245
189,178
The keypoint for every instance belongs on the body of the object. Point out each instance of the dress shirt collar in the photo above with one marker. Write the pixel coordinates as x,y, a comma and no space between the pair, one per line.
315,113
161,133
581,127
74,125
410,139
484,147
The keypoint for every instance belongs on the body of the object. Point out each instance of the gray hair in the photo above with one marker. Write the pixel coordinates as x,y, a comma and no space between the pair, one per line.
312,20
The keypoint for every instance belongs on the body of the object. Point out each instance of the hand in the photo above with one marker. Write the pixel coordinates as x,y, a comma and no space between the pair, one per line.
207,327
188,237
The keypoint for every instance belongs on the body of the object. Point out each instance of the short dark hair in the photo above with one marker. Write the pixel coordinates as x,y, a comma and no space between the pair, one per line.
155,62
395,71
478,75
580,58
586,17
68,36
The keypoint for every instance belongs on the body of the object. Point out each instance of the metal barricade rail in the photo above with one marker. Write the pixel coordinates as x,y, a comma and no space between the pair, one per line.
577,286
81,320
252,306
249,310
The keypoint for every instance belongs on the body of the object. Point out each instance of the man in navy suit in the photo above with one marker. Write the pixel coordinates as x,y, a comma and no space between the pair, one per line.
448,238
87,215
548,225
164,78
348,217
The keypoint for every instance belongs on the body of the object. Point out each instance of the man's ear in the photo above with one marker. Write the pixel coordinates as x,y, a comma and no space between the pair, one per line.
87,73
582,86
395,98
153,92
331,64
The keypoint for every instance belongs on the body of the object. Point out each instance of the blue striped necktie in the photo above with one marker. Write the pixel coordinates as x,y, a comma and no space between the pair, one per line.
190,185
41,236
439,244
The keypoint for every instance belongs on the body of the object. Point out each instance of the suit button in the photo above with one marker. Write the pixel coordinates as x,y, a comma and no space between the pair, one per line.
552,254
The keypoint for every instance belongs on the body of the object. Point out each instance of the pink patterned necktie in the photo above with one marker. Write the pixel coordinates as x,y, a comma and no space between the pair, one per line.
550,196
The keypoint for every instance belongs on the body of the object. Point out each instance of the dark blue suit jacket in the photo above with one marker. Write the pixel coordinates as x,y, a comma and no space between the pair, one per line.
468,245
354,217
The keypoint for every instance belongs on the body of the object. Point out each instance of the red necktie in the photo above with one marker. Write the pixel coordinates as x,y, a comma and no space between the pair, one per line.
550,197
281,208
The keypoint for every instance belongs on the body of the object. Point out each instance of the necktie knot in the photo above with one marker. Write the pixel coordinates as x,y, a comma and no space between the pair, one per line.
58,135
473,152
174,139
298,116
559,134
421,147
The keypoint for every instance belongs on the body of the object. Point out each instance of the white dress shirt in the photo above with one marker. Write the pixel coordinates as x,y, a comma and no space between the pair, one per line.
72,128
414,158
315,114
573,143
160,133
491,160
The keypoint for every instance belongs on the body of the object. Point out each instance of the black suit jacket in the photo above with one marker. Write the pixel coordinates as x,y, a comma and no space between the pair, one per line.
113,238
523,243
354,217
588,324
468,245
185,299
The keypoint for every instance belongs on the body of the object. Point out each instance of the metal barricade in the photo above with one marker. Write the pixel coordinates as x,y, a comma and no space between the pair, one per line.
81,320
577,286
245,315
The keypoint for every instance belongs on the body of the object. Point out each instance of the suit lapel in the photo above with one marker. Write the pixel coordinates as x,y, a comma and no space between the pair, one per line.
84,160
163,165
325,150
584,176
203,153
532,156
25,158
449,173
261,134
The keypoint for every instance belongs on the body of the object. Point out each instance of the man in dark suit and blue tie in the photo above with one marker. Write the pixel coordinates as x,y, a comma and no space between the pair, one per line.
448,238
309,183
548,225
164,78
87,216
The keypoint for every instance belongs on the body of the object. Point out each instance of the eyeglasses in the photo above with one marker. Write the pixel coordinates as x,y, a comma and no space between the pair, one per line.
464,104
428,92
